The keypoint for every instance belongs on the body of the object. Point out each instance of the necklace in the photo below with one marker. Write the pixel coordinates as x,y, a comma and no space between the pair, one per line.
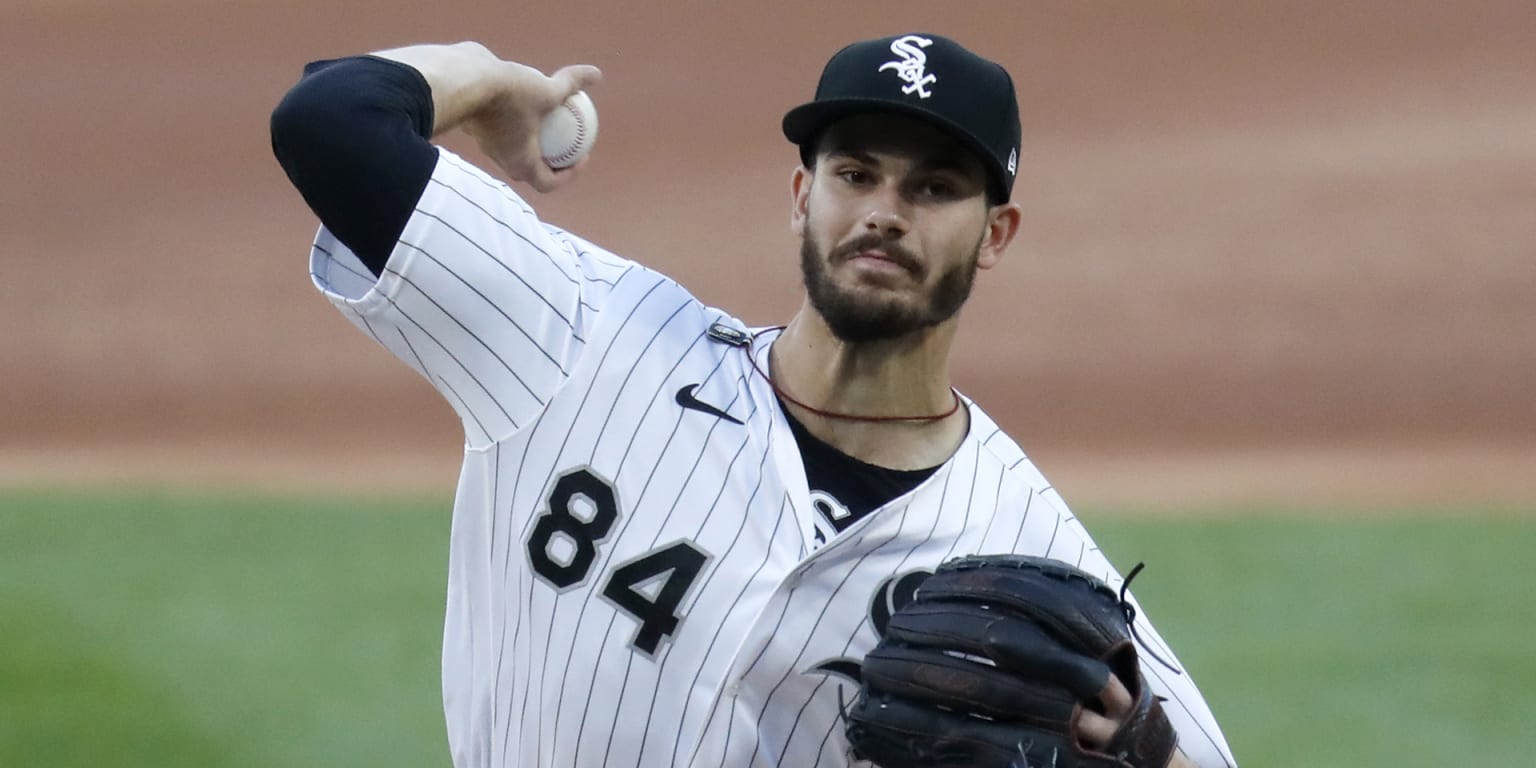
752,358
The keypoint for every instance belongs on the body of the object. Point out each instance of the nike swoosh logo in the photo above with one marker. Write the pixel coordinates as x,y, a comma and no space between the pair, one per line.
686,399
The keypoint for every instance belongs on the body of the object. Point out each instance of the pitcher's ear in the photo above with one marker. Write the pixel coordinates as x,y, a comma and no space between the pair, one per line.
1003,223
800,194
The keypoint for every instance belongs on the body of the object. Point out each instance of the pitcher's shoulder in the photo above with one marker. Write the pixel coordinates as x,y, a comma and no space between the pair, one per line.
994,442
996,445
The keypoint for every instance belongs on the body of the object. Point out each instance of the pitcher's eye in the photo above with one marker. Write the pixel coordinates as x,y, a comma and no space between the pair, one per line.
856,176
938,189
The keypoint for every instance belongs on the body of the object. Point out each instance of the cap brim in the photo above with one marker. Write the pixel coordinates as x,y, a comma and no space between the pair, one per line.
803,124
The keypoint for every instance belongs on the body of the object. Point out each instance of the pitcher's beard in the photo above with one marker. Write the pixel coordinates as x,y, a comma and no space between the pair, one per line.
856,318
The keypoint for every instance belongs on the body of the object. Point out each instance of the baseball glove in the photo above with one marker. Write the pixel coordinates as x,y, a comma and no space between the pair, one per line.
992,664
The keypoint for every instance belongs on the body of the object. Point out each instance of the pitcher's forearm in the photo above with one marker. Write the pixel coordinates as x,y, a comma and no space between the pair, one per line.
499,103
465,78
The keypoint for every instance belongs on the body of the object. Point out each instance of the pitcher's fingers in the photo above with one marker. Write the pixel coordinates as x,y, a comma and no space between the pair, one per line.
1095,730
552,179
1116,699
576,77
522,161
543,178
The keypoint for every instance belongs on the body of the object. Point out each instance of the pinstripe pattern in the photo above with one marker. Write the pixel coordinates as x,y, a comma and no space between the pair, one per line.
563,360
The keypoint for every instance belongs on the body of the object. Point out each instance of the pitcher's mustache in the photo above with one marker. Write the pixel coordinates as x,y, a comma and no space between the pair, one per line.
893,251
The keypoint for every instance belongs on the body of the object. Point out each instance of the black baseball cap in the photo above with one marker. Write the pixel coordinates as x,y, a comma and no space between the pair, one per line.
925,76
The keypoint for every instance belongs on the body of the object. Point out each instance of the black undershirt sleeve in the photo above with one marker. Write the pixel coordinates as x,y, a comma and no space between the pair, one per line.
353,136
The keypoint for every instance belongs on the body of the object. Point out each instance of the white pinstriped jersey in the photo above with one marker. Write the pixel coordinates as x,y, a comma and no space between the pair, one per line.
633,582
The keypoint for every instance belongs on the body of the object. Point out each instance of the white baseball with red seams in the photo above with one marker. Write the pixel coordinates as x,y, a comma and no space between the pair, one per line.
568,131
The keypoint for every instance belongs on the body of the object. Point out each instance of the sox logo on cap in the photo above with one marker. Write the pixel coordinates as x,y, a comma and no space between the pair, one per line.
911,65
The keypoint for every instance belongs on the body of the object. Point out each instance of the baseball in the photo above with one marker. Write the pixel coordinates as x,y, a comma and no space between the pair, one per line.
568,131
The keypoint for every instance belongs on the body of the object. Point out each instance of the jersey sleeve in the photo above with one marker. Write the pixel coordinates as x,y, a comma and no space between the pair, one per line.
1047,527
1200,736
1066,539
488,303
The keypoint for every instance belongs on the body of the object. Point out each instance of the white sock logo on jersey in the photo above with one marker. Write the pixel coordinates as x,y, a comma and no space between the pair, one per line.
829,507
831,511
893,593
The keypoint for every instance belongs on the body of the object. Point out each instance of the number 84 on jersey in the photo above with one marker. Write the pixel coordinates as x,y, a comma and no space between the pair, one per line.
581,512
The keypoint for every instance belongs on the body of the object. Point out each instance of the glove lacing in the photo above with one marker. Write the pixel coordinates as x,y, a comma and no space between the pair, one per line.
1130,620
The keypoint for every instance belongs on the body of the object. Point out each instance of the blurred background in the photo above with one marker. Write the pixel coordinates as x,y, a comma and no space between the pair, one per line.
1273,310
1255,232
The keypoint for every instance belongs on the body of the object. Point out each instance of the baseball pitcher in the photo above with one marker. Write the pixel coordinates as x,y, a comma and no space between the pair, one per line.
682,541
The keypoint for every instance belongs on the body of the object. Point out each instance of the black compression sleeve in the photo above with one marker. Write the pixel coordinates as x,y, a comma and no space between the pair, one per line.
353,136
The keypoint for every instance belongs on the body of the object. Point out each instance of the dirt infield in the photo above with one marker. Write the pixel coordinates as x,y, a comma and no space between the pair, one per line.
1271,251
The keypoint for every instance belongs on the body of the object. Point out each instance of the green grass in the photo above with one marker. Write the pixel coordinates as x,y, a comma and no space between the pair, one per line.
177,630
156,629
1350,642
